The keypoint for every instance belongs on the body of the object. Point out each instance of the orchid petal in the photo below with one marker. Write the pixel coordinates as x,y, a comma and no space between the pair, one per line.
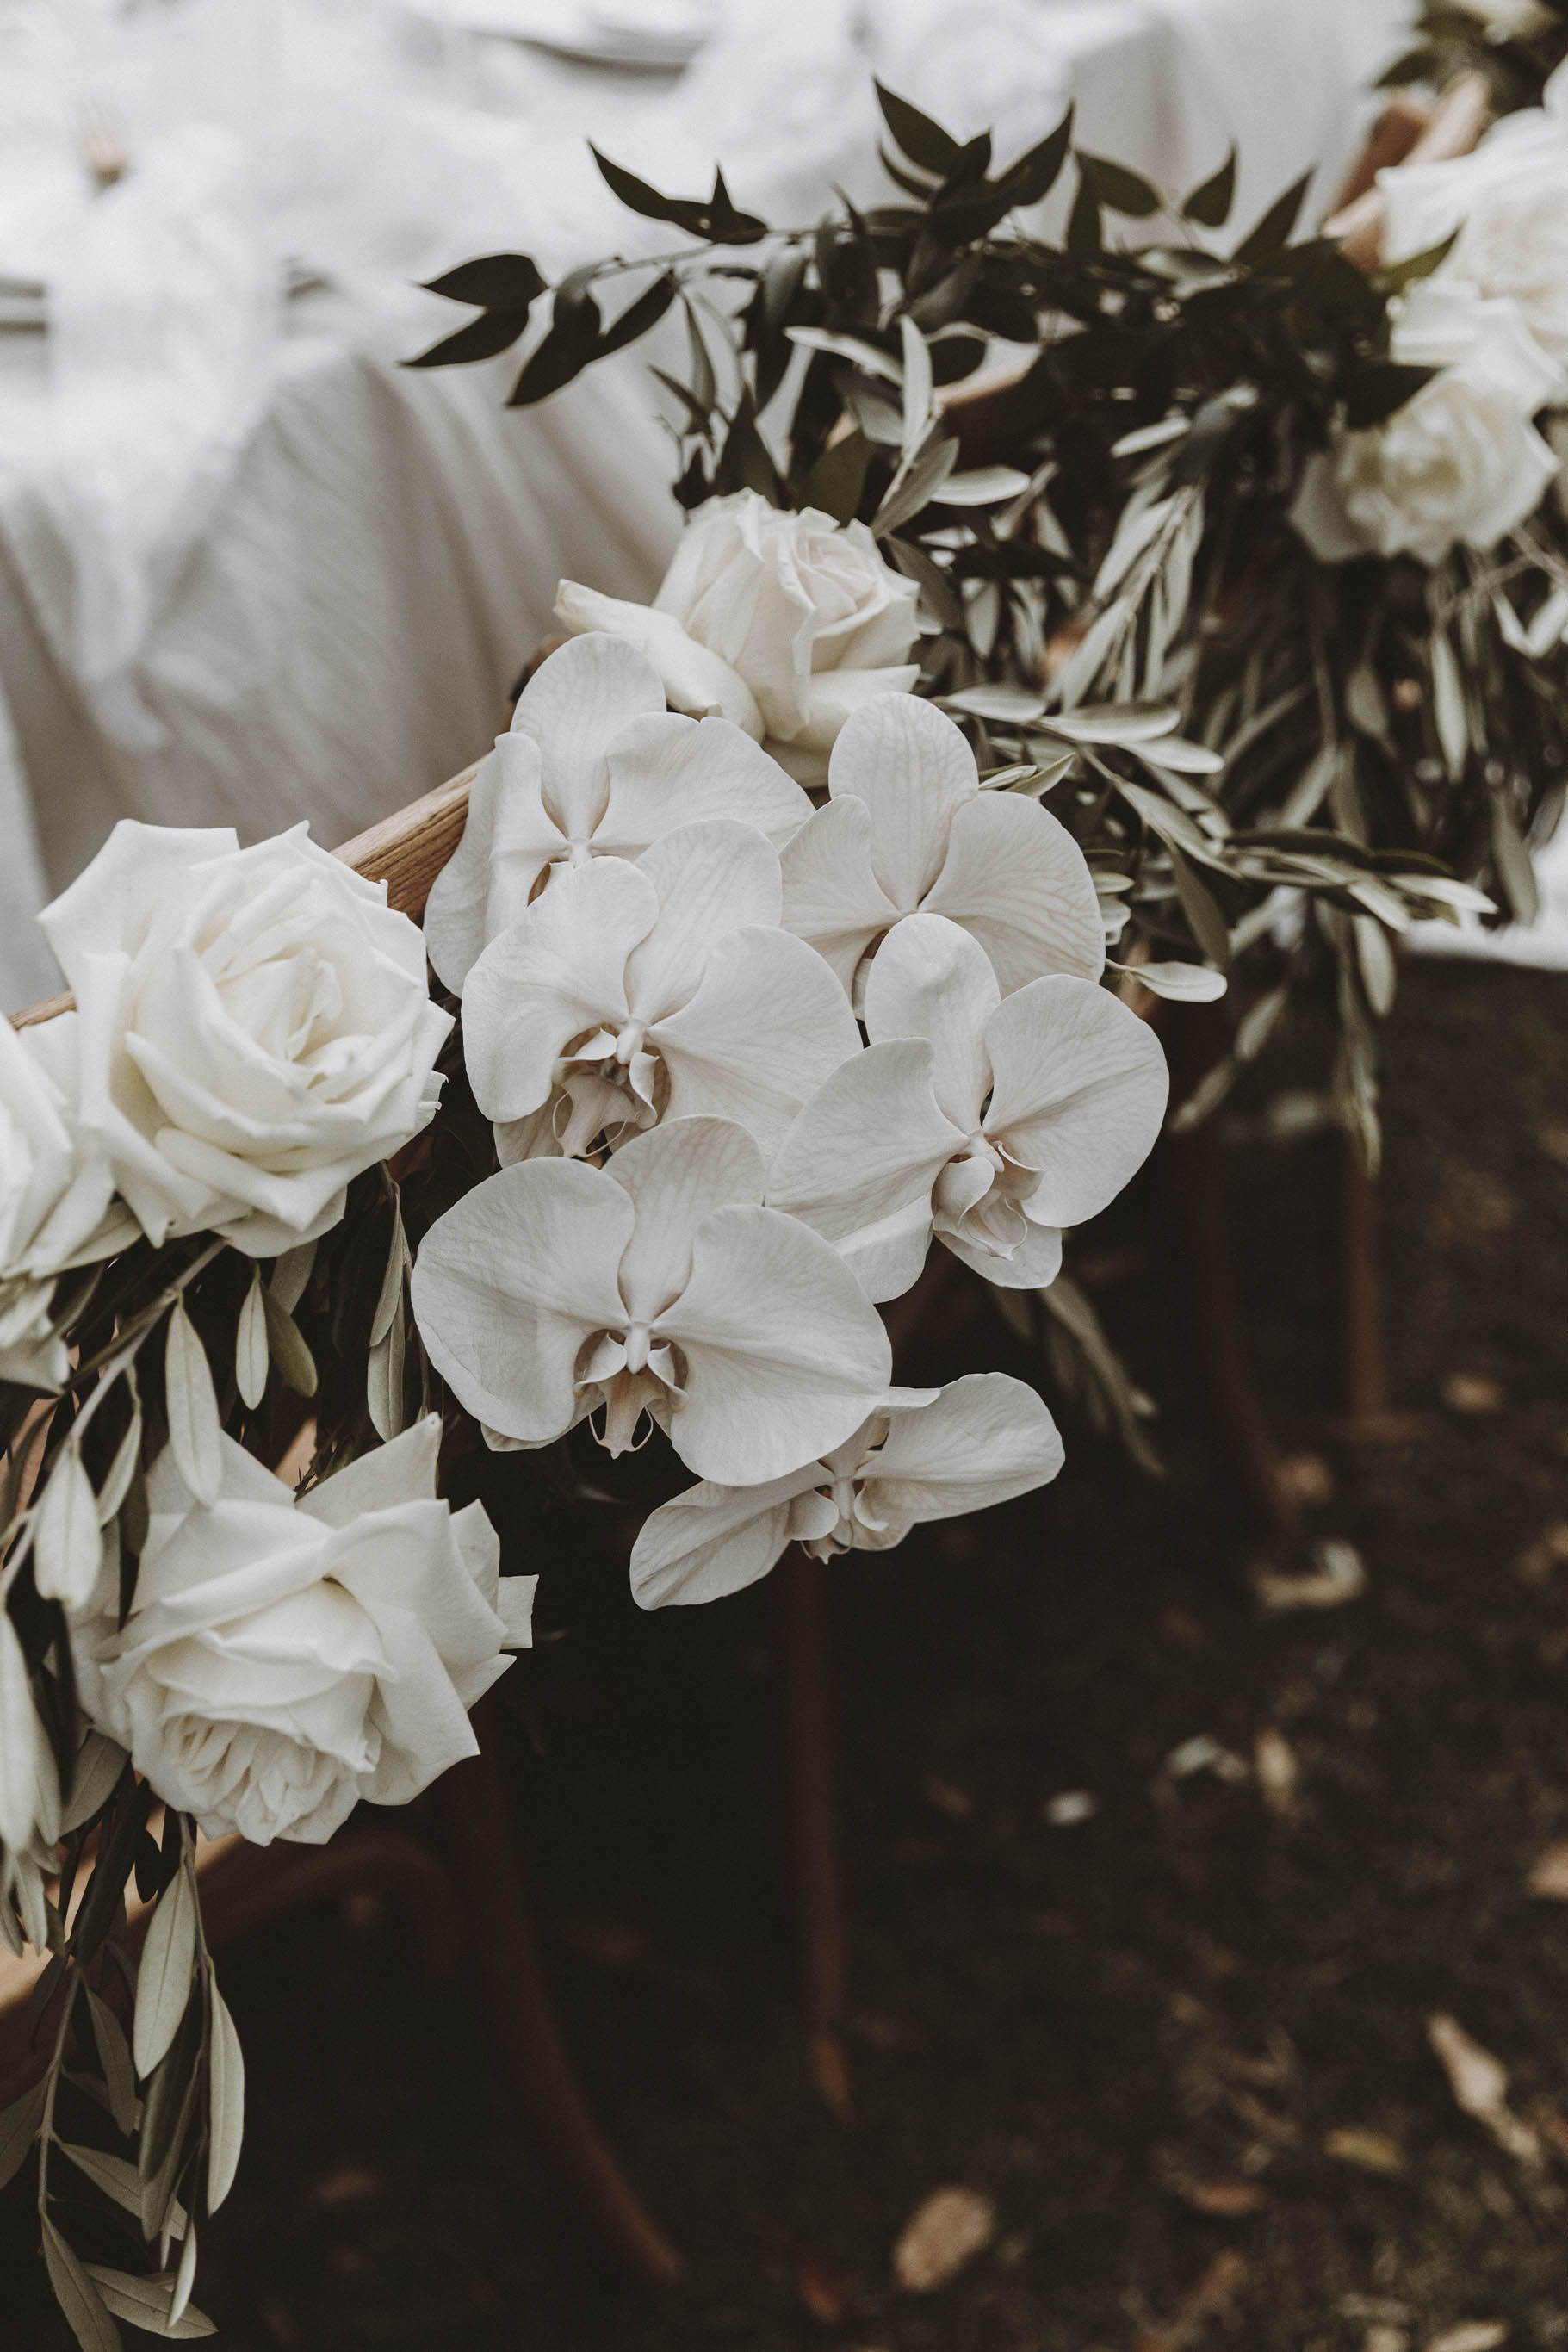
909,763
510,1283
575,707
767,1024
859,1163
676,1175
831,895
986,1438
671,771
784,1353
930,979
1033,1263
691,677
1080,1094
1016,879
710,878
713,1540
558,972
508,839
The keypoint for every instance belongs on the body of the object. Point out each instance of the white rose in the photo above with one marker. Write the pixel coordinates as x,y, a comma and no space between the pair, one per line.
1508,202
54,1195
1460,462
782,623
286,1657
255,1028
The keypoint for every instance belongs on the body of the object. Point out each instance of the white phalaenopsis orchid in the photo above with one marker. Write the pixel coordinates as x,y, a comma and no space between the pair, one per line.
626,993
907,826
657,1285
923,1454
594,766
996,1119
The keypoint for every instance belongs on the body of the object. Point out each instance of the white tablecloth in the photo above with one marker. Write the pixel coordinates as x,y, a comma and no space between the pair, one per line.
295,580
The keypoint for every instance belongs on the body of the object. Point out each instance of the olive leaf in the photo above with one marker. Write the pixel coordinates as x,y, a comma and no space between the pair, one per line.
164,1977
196,1432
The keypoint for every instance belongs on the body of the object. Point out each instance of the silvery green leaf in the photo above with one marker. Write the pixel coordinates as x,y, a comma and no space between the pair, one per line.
1374,956
1363,703
251,1353
1151,437
384,1380
290,1274
285,1342
1187,758
145,2302
390,1294
866,356
1012,705
116,2178
1139,526
19,2128
917,383
1119,723
114,2058
1463,897
1549,626
67,1545
99,1766
1379,901
225,2079
1186,983
1509,628
76,2295
192,1407
984,486
1515,870
1448,712
123,1469
916,484
184,2279
164,1978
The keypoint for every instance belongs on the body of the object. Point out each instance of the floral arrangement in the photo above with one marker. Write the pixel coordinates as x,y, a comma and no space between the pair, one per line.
1516,45
1250,558
288,1258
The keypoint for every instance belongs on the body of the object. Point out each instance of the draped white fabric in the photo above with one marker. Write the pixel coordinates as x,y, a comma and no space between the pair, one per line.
252,571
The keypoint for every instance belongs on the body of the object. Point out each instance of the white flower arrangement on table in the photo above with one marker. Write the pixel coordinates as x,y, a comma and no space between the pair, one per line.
735,1062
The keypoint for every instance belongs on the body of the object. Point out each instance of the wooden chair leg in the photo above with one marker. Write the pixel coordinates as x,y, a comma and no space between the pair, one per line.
812,1786
1195,1168
481,1852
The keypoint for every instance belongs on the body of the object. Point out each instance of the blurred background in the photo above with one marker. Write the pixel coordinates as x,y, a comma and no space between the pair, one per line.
1176,1869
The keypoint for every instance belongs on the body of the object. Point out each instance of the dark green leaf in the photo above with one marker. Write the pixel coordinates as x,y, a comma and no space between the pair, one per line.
1119,190
716,219
836,480
289,1352
114,2057
1201,908
570,343
1209,205
1030,180
496,281
1376,390
924,142
1400,273
1085,236
648,309
18,2130
1273,231
481,338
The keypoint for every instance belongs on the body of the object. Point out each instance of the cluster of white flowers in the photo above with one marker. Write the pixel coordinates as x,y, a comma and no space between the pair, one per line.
251,1028
709,1176
1463,461
782,623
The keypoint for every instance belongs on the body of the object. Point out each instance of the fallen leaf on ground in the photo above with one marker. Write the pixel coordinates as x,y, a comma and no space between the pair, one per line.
1470,2336
1550,1875
1335,1577
944,2231
1479,2086
1371,2152
1472,1393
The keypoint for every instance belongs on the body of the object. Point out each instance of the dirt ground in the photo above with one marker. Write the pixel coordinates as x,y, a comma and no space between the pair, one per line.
1175,2031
